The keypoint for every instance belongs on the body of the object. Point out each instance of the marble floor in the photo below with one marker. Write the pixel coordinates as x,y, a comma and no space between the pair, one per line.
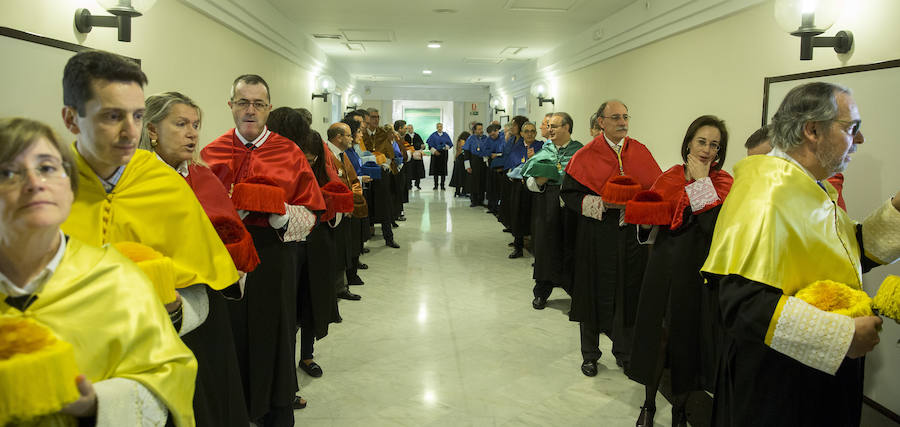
445,336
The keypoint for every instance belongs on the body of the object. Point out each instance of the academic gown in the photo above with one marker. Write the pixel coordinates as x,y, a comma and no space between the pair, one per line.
673,293
783,362
494,172
554,226
520,199
380,199
442,143
399,181
610,265
219,399
416,167
264,321
102,304
477,149
459,177
505,211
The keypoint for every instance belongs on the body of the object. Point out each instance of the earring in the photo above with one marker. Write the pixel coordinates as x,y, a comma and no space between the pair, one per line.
153,143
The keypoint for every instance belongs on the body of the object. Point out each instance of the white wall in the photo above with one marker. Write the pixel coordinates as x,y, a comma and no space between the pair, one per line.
180,49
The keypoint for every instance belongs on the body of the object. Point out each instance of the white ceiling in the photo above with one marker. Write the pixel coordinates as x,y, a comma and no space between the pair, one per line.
474,37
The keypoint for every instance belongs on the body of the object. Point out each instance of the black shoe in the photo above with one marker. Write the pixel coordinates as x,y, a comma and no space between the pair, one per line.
511,244
401,218
298,403
472,205
339,319
435,187
356,281
365,251
507,230
417,187
539,303
347,295
361,266
442,188
395,225
589,368
392,244
313,369
645,419
516,253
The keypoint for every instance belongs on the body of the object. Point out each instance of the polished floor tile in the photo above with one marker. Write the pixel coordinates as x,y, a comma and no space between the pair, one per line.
445,336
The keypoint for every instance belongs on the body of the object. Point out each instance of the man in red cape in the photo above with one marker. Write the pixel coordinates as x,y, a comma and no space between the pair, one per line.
610,266
279,192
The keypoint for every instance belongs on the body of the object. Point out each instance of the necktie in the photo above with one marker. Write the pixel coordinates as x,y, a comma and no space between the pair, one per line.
21,303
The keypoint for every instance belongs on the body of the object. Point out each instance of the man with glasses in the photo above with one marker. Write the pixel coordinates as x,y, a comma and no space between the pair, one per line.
379,141
608,274
787,362
278,212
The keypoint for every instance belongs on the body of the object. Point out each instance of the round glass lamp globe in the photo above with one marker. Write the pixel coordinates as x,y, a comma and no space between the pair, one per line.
354,99
807,16
325,83
540,88
126,7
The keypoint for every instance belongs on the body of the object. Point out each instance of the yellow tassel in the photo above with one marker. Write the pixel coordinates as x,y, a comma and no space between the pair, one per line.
837,298
37,374
887,299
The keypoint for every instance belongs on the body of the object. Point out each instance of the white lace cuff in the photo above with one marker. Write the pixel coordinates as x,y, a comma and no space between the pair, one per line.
468,164
813,337
881,234
194,306
336,221
701,193
532,185
125,402
300,223
647,236
592,207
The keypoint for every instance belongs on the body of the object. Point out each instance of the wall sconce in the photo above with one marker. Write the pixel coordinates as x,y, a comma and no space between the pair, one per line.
809,18
122,10
539,89
353,101
497,103
324,84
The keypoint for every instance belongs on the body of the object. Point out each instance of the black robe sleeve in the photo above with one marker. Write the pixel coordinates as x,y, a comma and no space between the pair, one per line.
572,193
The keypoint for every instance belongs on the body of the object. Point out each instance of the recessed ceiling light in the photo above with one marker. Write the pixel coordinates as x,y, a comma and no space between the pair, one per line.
426,72
434,44
444,11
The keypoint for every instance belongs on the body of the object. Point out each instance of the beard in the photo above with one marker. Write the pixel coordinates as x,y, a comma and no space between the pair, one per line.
832,158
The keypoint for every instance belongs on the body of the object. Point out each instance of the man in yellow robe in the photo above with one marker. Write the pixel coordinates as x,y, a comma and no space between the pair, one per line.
127,194
786,362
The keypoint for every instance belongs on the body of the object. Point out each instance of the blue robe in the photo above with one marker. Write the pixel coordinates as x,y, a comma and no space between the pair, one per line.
439,142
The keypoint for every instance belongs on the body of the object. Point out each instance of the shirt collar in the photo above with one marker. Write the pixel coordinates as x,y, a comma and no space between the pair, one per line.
8,288
613,145
110,183
334,150
258,142
777,152
182,167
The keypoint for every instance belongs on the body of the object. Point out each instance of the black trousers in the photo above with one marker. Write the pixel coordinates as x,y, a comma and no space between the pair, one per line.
387,231
436,181
590,341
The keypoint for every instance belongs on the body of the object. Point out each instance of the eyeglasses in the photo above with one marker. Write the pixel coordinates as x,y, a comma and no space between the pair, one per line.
850,126
48,171
618,117
244,104
712,145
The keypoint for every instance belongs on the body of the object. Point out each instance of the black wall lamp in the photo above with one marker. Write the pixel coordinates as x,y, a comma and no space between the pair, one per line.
353,101
496,103
540,89
325,84
122,11
809,18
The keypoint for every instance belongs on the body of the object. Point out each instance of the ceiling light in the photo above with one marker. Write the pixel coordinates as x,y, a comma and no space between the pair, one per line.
434,44
426,72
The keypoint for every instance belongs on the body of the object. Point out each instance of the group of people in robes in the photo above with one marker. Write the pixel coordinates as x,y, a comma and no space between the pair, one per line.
179,275
728,301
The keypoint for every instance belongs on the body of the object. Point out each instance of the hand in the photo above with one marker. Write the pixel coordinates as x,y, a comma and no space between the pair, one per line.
530,152
365,178
436,153
541,180
696,169
896,201
865,338
493,155
86,405
469,170
174,305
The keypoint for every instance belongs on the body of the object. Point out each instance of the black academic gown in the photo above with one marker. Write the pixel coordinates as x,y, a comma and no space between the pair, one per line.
316,300
477,179
459,177
790,393
380,199
608,272
554,238
416,167
674,294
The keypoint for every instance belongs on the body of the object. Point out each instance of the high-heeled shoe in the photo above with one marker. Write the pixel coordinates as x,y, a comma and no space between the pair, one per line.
645,419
